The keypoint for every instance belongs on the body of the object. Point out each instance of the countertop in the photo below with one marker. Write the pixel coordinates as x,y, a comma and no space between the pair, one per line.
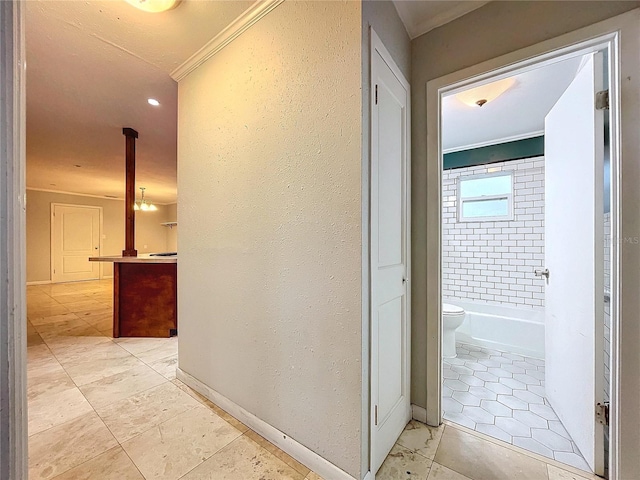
142,258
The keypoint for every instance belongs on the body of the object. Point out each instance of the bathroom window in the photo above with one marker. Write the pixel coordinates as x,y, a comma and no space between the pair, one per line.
485,197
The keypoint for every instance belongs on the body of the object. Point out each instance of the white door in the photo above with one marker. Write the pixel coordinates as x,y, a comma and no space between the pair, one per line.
390,406
75,236
574,330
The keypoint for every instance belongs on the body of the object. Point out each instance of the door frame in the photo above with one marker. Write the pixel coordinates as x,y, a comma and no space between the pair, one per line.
13,345
621,35
376,45
100,245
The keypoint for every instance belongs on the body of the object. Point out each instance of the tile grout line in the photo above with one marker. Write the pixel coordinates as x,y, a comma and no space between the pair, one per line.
520,450
216,452
158,426
523,378
93,408
76,418
148,429
129,457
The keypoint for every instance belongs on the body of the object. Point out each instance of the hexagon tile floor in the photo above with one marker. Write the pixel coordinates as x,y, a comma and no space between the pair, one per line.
502,395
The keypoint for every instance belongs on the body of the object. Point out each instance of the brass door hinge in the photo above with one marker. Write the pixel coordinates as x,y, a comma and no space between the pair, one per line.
602,100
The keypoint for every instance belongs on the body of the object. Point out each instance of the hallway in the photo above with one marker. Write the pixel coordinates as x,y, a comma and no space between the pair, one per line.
103,408
112,409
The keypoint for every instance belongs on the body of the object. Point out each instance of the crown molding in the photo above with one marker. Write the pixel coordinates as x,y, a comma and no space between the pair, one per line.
64,192
102,197
496,141
419,25
236,28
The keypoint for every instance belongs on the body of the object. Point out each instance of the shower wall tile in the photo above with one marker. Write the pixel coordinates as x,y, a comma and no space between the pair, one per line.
490,261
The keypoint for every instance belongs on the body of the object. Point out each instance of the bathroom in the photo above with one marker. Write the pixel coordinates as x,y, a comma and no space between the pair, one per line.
497,201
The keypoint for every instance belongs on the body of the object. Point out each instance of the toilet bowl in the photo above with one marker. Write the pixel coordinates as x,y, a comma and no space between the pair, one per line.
452,318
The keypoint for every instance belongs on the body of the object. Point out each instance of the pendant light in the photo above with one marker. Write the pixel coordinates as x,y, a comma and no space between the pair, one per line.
143,205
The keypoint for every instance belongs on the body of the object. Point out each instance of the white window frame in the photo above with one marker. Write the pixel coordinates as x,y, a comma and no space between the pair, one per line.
508,196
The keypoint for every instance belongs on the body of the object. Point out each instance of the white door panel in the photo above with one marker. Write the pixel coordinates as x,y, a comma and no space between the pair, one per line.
75,237
390,177
389,259
389,338
574,145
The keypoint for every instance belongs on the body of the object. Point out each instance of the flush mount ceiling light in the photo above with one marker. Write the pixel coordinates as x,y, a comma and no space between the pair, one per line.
154,6
153,101
485,93
143,205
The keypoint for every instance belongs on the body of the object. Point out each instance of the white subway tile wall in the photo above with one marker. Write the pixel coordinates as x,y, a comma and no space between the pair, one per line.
493,262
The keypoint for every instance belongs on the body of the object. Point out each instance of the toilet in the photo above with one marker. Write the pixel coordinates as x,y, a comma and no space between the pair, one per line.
452,318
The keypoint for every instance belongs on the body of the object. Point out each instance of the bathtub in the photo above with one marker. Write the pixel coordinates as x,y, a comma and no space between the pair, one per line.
509,329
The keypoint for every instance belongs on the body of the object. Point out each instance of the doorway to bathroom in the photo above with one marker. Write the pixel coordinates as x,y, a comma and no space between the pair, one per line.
525,234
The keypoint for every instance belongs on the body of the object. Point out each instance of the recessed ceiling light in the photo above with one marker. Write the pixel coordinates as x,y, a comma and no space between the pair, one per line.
154,6
153,101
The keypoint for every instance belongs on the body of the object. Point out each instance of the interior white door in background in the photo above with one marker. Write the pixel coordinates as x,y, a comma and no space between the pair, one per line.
390,402
75,236
574,209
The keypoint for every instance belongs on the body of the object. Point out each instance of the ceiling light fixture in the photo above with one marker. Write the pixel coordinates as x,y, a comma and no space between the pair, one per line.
153,101
143,205
154,6
483,94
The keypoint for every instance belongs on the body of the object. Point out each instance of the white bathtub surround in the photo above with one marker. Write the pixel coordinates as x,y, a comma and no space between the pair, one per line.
500,327
493,261
502,395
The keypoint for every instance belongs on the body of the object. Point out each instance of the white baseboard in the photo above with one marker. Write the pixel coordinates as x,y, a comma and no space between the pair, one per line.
304,455
39,282
419,413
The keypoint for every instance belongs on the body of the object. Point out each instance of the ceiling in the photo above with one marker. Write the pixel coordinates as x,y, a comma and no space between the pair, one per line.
517,113
421,16
91,66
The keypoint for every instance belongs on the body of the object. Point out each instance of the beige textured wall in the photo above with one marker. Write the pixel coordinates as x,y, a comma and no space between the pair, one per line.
151,236
172,233
492,30
269,175
149,232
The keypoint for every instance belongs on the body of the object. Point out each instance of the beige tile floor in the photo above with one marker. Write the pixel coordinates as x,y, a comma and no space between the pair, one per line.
111,409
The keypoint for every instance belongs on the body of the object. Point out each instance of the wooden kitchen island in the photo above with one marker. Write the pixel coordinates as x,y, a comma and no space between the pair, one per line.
144,295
